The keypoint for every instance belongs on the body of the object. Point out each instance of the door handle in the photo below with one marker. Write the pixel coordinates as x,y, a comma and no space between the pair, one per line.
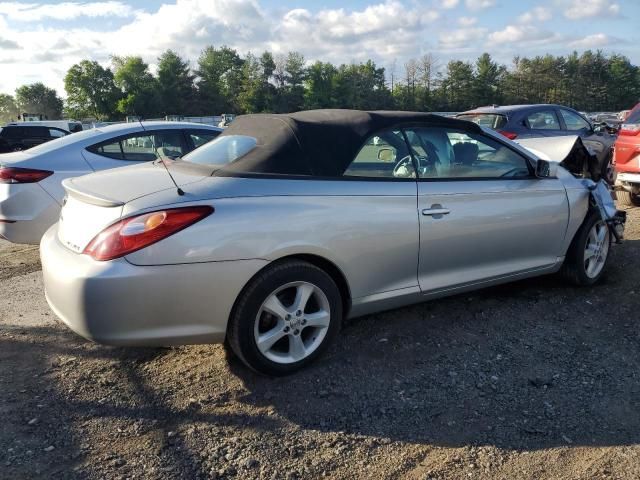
436,211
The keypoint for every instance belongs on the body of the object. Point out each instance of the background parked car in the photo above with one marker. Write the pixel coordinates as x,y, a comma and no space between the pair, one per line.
30,182
72,126
16,137
626,160
528,121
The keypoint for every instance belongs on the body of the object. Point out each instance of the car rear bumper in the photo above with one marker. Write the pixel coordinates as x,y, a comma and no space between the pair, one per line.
628,177
628,181
26,212
118,303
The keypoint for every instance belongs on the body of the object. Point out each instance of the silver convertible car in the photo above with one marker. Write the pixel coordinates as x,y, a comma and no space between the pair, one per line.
269,236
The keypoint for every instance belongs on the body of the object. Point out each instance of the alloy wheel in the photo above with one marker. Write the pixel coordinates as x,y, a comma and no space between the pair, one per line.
292,322
596,249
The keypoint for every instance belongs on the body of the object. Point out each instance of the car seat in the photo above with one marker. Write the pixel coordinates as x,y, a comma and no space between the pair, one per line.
466,153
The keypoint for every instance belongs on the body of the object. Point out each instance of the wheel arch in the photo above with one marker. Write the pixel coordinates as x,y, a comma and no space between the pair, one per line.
326,265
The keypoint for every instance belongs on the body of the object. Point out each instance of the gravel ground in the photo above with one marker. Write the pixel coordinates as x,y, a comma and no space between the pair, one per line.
529,380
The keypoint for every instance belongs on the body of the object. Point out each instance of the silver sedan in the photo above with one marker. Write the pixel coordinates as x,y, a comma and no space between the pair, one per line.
31,180
272,234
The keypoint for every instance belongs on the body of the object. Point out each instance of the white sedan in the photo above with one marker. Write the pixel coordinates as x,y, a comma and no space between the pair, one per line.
31,192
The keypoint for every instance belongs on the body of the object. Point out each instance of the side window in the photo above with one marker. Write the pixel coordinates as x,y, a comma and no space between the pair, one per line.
139,148
200,137
55,133
543,120
384,155
444,153
169,143
12,132
142,147
109,150
574,122
41,132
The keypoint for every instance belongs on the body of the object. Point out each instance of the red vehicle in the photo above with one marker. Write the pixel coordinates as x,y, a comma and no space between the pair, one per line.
626,160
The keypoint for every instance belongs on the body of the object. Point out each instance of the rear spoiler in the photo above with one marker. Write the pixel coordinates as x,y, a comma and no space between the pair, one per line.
89,197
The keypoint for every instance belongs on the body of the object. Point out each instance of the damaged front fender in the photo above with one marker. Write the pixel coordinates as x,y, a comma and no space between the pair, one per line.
568,151
571,153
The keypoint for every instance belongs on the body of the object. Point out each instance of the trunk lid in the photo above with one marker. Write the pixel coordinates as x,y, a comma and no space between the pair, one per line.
95,201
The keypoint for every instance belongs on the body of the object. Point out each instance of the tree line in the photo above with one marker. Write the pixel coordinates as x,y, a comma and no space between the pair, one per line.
223,81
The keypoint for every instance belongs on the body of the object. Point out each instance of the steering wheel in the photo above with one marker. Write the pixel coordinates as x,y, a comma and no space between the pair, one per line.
404,168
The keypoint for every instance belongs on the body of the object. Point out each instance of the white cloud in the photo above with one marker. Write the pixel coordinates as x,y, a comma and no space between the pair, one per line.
538,14
479,4
522,34
462,38
382,31
467,21
450,3
34,12
594,41
580,9
34,48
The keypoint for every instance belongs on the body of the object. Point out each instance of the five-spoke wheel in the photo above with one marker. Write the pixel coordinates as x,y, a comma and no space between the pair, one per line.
285,317
589,251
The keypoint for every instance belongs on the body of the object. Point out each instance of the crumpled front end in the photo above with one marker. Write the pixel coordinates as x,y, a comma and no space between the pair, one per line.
601,197
571,154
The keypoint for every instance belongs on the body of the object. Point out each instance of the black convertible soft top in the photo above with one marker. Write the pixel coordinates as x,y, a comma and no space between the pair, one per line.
318,142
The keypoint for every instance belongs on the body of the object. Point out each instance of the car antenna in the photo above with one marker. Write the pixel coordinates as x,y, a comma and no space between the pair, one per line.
153,144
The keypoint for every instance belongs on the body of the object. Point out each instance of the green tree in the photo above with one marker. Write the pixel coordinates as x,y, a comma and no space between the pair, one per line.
175,85
320,86
292,95
220,79
139,88
251,96
487,81
624,84
8,108
91,91
457,85
39,99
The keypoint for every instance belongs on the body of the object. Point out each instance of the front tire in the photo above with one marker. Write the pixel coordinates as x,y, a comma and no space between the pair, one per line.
285,318
587,257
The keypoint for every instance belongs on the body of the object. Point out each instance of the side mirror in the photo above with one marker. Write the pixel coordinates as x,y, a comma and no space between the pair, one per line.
545,169
386,155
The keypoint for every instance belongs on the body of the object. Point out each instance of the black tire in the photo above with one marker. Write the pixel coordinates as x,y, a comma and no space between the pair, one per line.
240,331
627,199
608,172
574,269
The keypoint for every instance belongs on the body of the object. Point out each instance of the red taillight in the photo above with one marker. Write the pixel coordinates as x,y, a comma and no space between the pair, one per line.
134,233
22,175
509,135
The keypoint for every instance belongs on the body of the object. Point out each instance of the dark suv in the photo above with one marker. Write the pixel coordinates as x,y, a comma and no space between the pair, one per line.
22,137
528,121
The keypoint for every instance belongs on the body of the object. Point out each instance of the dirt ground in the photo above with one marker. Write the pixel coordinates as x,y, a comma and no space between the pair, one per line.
531,380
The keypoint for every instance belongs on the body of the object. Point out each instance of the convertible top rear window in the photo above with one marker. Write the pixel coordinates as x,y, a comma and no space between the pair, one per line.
222,150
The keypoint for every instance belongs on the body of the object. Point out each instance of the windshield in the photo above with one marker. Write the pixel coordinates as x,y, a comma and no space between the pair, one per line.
490,120
222,150
63,141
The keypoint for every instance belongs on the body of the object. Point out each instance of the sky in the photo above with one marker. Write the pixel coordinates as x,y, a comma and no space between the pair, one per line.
40,40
